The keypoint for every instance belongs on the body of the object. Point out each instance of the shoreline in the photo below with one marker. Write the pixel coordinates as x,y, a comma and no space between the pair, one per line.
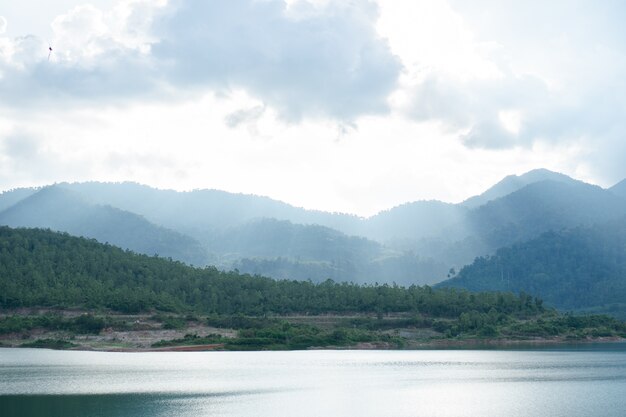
438,344
159,332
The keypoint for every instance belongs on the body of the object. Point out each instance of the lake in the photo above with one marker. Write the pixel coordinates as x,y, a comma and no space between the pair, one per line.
586,381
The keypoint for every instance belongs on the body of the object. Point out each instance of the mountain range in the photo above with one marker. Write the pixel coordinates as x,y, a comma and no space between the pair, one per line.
422,242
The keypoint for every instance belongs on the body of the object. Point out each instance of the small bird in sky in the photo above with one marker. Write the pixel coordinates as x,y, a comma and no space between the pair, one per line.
49,51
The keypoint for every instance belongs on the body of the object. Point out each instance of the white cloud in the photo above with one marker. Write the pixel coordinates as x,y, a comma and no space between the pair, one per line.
336,105
96,55
3,25
388,160
305,60
87,36
557,67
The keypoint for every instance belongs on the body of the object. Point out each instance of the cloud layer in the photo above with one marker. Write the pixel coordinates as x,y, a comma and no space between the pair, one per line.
303,60
518,74
408,93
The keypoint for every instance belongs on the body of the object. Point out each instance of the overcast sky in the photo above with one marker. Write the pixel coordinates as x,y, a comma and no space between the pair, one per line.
352,106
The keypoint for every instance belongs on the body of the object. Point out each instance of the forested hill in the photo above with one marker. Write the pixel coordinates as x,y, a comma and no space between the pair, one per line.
67,211
45,268
572,269
414,243
541,207
283,250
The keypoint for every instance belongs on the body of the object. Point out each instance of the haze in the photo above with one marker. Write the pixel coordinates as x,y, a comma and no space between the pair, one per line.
352,107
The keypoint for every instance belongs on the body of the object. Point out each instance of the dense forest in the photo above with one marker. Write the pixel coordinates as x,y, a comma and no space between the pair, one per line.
572,269
45,268
83,294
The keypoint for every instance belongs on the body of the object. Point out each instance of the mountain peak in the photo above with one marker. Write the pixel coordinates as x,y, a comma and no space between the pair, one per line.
512,183
542,174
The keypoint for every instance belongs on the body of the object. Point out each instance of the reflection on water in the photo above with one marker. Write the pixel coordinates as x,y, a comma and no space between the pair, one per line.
100,405
115,405
568,382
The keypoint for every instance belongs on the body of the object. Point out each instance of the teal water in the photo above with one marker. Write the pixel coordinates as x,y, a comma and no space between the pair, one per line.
477,383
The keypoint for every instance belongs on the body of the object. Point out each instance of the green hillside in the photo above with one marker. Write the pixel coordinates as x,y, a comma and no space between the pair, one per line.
104,284
543,206
579,268
44,268
63,210
283,250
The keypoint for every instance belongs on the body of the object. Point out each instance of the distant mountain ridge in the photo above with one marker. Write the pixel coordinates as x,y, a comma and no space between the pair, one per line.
521,215
203,210
419,218
12,197
63,210
542,206
513,183
417,242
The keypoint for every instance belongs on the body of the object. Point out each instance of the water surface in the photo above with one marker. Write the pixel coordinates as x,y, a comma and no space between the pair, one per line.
476,383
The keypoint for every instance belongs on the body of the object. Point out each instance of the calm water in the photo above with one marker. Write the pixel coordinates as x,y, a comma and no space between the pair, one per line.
546,383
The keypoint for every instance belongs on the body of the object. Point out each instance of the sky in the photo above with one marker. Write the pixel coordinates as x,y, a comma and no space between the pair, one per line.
345,106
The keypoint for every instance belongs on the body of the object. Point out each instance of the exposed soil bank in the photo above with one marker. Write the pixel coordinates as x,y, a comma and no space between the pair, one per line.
189,333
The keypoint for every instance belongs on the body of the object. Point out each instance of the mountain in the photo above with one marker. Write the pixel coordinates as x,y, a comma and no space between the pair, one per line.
203,214
521,215
413,221
513,183
619,188
281,238
540,207
284,250
63,210
227,226
582,267
199,212
12,197
416,242
41,268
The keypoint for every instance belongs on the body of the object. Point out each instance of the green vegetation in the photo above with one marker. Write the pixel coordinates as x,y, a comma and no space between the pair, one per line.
40,268
191,340
50,344
44,268
401,268
238,332
170,322
415,243
284,335
541,207
60,209
83,324
396,332
572,269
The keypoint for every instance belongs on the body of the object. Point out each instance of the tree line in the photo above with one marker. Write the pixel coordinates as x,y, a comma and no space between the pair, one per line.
51,269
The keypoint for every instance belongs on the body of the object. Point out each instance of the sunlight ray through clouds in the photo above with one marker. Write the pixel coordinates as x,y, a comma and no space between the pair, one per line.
340,106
